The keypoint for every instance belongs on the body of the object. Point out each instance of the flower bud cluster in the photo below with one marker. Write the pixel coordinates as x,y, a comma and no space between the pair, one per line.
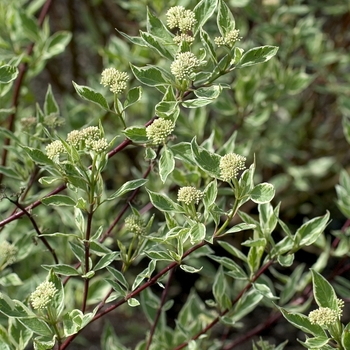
54,150
178,39
189,194
28,122
8,254
179,17
135,224
184,65
230,165
159,130
114,79
89,138
43,294
325,316
229,39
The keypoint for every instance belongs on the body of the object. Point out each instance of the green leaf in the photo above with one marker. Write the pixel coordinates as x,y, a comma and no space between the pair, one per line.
56,44
285,260
150,75
29,26
197,232
127,187
9,172
48,180
233,250
209,92
207,161
120,291
62,269
220,290
163,202
50,104
166,164
309,232
58,300
208,44
210,194
79,220
89,94
324,293
302,322
105,261
118,276
255,254
345,338
262,193
11,279
168,110
13,308
133,96
133,302
38,157
203,11
257,55
264,290
240,227
183,152
190,269
37,325
136,134
233,268
197,102
225,19
315,343
159,45
58,200
244,306
157,28
8,73
159,255
146,273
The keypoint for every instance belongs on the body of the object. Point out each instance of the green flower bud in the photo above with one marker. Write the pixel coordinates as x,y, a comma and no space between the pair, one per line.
135,224
98,146
43,294
54,149
179,17
230,165
184,65
323,316
114,79
189,194
229,39
8,254
159,130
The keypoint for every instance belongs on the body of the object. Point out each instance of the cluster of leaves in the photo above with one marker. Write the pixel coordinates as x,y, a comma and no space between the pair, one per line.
103,260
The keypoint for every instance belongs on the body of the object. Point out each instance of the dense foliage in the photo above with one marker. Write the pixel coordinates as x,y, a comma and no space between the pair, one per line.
179,182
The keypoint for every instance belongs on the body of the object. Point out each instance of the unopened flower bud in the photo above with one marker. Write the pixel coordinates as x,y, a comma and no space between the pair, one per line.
159,130
43,294
54,149
229,39
114,79
135,224
184,65
189,194
179,17
230,165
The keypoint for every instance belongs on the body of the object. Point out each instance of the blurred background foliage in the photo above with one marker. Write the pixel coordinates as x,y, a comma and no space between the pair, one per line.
287,112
